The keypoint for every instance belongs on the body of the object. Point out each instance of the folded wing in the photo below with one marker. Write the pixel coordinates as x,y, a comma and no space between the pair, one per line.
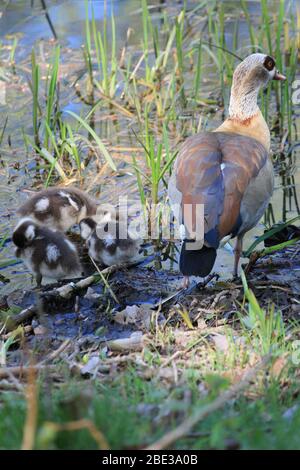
217,169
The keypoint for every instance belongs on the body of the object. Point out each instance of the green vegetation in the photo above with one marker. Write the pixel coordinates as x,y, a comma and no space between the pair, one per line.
157,91
147,409
157,388
116,103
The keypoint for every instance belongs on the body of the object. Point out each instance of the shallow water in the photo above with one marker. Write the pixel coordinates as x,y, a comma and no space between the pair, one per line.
19,171
68,18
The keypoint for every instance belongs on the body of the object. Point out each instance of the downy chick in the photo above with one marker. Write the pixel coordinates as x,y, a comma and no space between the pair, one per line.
106,243
46,253
58,208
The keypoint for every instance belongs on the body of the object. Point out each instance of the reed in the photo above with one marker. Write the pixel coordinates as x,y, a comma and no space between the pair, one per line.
268,329
83,123
268,234
87,52
36,110
146,20
151,171
52,98
3,130
179,23
107,68
251,28
166,88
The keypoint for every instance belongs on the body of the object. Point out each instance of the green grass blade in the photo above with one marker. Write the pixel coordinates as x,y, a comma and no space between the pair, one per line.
268,234
98,141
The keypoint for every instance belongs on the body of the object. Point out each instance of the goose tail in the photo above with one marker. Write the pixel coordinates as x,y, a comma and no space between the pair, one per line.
196,262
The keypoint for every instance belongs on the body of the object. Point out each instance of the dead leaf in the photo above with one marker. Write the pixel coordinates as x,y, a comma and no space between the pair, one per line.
128,315
91,366
278,366
135,315
91,294
289,413
134,342
166,373
40,330
183,337
201,324
221,342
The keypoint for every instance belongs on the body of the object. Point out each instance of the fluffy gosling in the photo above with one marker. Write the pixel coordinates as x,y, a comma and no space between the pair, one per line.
46,253
104,242
58,208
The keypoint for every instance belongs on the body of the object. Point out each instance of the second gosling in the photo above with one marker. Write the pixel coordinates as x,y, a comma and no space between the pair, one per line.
105,244
58,208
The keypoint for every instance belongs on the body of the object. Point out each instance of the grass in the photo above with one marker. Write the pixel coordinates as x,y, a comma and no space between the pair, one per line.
98,141
151,177
97,44
160,387
149,408
268,326
60,139
158,159
35,82
5,345
242,425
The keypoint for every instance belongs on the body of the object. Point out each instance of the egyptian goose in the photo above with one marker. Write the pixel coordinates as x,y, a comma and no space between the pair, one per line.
226,173
46,252
105,241
58,208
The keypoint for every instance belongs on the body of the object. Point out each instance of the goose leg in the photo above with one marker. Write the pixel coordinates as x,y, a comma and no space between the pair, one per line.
237,254
186,282
39,280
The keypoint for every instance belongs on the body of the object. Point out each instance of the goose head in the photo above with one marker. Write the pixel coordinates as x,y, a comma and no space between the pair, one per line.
24,233
251,75
87,226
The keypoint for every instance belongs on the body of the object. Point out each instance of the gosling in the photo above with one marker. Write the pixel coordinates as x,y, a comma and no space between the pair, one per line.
58,208
46,253
104,241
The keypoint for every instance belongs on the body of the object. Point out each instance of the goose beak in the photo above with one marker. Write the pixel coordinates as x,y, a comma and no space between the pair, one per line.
279,76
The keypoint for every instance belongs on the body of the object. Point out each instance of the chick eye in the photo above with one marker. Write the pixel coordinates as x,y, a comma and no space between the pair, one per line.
269,63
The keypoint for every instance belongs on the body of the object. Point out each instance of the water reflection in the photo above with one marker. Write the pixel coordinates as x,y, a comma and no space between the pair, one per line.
67,17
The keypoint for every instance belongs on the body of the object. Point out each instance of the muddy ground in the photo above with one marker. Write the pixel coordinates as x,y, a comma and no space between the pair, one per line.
90,319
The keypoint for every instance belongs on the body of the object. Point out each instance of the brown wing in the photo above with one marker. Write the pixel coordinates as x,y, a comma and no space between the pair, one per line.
214,169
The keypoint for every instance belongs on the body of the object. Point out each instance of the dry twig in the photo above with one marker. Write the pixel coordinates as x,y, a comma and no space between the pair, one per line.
5,372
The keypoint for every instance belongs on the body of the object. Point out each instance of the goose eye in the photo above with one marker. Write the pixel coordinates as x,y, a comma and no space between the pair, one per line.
269,63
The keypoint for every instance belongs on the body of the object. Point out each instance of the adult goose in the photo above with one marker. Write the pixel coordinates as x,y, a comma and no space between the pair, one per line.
226,173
